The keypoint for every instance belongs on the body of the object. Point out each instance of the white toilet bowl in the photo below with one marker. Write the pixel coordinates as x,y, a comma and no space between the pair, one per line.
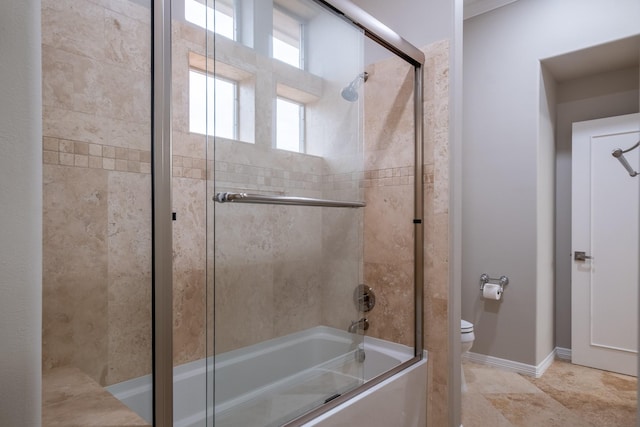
466,339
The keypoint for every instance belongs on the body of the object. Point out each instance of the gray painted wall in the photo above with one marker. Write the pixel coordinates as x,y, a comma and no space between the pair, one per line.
21,213
545,214
506,175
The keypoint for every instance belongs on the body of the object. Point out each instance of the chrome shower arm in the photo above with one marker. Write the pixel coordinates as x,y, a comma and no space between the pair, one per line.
619,154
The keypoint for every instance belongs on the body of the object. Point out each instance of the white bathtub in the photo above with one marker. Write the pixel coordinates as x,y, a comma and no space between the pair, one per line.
264,384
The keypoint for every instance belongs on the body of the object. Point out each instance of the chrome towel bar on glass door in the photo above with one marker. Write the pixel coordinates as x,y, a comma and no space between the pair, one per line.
283,200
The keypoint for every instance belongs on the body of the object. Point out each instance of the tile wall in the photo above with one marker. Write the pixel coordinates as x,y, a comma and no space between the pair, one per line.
96,188
436,230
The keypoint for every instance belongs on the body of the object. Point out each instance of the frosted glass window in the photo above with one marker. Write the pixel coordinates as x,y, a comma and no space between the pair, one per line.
289,125
213,105
220,19
287,38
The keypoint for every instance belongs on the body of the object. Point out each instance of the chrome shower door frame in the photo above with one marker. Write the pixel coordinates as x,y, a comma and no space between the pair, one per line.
162,201
162,242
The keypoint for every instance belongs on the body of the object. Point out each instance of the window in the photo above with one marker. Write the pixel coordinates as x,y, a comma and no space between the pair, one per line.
287,38
220,19
213,105
289,125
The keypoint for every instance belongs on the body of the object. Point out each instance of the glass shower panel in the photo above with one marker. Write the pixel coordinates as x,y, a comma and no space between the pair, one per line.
284,259
97,213
389,233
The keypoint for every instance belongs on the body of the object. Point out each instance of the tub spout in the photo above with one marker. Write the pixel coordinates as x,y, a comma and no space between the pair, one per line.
359,326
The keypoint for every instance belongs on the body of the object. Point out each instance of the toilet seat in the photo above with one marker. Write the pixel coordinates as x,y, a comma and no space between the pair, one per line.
465,327
466,342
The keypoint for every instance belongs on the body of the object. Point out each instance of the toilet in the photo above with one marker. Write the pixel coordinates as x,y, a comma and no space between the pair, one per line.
466,338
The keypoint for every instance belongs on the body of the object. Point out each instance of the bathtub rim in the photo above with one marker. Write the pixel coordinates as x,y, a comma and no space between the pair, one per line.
349,396
136,387
334,415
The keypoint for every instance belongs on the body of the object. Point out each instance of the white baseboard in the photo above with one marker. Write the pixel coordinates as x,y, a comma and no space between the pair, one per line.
563,353
521,368
544,365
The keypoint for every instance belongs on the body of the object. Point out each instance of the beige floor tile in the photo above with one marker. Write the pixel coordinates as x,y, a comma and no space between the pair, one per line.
485,379
600,397
566,395
479,412
533,410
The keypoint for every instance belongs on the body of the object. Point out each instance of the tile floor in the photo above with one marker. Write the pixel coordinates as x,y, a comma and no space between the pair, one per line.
566,395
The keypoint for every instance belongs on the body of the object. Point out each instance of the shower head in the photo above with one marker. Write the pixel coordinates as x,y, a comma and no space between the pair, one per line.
350,92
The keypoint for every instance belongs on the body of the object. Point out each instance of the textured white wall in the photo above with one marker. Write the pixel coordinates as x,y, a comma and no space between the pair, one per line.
21,213
503,232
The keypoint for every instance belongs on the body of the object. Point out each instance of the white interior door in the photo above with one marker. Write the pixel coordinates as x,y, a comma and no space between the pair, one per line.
604,287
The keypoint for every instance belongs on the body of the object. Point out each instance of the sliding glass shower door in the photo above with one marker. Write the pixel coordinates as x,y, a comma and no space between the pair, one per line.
285,211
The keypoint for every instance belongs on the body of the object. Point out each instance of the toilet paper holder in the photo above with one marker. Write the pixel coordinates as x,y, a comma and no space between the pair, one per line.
502,281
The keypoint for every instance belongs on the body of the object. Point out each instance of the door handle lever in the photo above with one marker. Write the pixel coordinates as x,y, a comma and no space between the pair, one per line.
580,256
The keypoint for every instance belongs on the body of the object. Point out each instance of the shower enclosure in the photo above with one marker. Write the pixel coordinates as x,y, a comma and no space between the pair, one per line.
303,203
277,263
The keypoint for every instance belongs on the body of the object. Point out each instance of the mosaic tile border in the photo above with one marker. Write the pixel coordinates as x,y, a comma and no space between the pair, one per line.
189,167
254,176
98,156
81,154
402,175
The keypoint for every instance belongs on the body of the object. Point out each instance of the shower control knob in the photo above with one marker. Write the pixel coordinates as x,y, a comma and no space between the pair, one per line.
364,298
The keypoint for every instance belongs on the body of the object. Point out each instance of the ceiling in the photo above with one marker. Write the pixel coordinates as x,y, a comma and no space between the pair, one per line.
615,55
476,7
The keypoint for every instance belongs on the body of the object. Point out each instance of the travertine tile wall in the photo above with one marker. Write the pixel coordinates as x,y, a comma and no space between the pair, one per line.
436,204
97,188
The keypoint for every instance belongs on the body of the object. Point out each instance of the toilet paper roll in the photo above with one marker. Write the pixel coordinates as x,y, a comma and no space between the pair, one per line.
491,291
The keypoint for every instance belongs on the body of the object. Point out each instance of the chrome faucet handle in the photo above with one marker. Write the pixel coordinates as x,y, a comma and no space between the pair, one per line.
359,325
